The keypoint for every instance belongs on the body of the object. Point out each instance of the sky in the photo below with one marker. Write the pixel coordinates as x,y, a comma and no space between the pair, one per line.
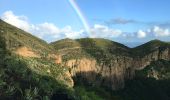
125,21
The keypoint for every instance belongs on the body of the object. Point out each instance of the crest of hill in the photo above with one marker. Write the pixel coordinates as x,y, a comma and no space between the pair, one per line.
86,43
150,46
65,44
100,43
16,38
89,47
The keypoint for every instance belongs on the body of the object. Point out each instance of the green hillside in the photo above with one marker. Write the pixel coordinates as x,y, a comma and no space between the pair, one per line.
26,78
16,38
100,49
149,47
65,44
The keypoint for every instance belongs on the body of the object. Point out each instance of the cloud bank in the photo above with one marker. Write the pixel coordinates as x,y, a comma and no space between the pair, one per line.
120,21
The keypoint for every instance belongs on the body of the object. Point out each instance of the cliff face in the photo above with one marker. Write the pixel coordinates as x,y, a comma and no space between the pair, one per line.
158,54
106,63
116,71
110,75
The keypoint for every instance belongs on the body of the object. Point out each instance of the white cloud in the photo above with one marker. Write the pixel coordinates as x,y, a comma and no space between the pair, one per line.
160,32
43,30
141,34
19,21
102,31
72,34
48,28
155,31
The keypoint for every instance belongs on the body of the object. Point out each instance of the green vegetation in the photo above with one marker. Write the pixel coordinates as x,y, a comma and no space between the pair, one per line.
28,78
18,80
84,94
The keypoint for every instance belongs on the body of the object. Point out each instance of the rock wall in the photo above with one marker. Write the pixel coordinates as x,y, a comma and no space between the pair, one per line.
142,62
114,73
108,75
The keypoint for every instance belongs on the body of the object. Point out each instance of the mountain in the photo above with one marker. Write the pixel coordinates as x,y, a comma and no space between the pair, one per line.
81,69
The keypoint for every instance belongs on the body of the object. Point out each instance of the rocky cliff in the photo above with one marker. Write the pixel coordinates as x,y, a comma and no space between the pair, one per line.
110,75
113,72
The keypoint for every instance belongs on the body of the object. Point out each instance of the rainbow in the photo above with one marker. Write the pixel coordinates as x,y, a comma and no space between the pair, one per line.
80,15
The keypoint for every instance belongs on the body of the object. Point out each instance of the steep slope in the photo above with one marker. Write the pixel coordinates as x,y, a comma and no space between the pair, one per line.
16,38
27,71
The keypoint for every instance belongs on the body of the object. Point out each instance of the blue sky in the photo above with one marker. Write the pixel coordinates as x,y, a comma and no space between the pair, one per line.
118,20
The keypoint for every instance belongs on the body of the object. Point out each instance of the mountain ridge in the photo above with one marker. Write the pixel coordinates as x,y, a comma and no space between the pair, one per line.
7,24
